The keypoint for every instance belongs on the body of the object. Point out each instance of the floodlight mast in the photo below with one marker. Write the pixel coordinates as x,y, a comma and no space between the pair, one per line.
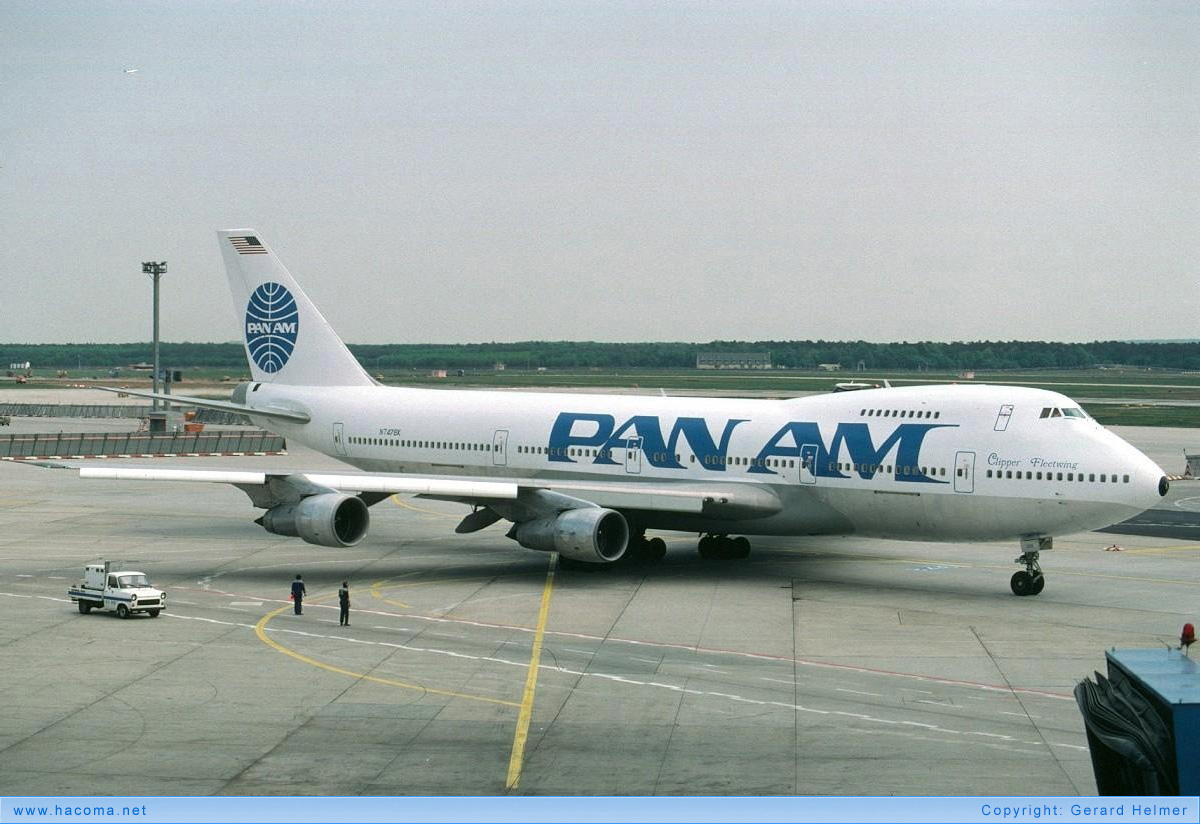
155,269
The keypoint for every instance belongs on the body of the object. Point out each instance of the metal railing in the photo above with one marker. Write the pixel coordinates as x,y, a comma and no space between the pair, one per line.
111,410
113,444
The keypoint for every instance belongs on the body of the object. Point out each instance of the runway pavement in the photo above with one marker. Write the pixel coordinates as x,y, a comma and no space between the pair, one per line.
818,666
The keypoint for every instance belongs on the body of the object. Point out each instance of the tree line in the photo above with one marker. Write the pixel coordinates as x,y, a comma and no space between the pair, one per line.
933,356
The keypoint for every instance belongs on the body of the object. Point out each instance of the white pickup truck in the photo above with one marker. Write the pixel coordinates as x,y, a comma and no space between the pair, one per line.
125,592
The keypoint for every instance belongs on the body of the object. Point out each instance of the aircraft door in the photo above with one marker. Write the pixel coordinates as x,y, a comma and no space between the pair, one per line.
339,439
1003,417
964,472
633,456
500,448
808,463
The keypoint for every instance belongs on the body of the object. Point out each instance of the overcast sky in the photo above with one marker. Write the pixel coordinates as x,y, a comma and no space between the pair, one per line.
607,171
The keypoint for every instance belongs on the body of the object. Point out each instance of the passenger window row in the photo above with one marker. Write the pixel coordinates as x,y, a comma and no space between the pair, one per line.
886,469
407,444
573,452
1028,475
898,413
661,457
741,460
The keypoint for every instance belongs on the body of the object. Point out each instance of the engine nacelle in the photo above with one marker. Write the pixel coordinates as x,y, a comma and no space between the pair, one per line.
597,536
331,519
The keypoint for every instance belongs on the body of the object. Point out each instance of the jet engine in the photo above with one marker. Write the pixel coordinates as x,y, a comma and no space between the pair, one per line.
330,519
594,535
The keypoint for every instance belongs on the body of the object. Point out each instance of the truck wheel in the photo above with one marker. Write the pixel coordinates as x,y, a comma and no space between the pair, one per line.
153,613
85,607
122,611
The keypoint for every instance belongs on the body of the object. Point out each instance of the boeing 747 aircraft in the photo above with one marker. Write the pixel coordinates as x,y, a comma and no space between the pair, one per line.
588,475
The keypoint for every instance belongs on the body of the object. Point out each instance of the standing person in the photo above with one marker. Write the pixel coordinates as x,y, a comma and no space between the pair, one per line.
298,591
344,603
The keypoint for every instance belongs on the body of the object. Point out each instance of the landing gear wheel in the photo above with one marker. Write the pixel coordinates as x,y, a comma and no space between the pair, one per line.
1030,581
741,548
1022,583
656,550
724,547
122,611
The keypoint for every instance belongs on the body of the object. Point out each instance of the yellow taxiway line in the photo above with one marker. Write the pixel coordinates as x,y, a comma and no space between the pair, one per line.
260,631
517,760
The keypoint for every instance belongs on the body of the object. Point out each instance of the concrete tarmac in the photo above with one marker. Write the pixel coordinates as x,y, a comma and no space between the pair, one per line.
818,666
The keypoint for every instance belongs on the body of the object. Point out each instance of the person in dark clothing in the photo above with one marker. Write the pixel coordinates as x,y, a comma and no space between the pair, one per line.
298,591
344,603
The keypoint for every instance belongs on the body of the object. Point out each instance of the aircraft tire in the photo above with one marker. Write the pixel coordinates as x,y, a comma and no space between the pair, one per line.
656,550
740,547
708,547
1037,585
1021,583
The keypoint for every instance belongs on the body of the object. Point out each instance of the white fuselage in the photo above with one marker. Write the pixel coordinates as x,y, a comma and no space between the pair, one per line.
928,462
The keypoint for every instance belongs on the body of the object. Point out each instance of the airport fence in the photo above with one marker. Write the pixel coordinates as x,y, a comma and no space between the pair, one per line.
139,444
112,410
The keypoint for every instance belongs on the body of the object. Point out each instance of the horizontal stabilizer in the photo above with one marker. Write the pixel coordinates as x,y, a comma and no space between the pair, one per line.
275,413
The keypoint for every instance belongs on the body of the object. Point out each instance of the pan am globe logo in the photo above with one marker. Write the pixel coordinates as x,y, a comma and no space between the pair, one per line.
272,323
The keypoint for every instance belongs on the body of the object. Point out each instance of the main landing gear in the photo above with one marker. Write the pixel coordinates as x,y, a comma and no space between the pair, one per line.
723,547
1030,580
641,551
644,550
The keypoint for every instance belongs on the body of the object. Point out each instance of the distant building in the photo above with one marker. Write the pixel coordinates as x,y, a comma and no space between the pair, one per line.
829,367
499,366
437,373
142,367
733,360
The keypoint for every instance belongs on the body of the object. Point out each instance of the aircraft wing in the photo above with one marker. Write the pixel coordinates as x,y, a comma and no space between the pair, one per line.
302,484
268,489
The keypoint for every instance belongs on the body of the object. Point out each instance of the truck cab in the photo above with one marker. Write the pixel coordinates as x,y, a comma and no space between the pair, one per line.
125,592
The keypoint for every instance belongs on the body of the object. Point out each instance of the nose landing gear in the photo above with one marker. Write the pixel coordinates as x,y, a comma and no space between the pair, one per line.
1030,580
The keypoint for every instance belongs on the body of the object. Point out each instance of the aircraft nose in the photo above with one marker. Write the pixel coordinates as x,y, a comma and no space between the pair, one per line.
1151,482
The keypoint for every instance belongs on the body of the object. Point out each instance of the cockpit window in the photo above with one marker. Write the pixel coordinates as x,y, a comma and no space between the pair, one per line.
1054,412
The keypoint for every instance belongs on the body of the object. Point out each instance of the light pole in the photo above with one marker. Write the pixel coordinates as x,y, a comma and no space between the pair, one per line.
155,270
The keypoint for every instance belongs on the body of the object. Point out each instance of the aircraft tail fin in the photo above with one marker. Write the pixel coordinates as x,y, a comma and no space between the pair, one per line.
287,339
